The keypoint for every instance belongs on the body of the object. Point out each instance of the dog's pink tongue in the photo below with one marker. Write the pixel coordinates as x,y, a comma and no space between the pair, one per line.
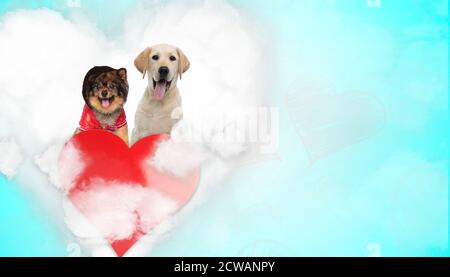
105,103
160,89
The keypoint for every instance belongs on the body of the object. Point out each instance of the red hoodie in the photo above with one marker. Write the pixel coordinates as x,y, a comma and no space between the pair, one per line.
90,122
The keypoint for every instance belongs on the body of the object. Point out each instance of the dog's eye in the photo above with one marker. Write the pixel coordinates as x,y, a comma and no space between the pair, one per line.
112,86
155,57
172,58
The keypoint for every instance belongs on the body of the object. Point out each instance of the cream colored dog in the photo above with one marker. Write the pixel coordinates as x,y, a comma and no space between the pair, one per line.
160,107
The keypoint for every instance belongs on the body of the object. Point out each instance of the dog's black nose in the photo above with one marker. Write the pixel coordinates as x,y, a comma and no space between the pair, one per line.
104,93
163,71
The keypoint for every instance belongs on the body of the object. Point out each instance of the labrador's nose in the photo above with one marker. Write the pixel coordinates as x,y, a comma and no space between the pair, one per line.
104,93
163,71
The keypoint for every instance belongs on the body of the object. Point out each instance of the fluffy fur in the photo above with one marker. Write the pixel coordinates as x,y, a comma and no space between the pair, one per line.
105,91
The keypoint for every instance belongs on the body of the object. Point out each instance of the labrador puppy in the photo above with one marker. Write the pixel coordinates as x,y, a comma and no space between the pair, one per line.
160,107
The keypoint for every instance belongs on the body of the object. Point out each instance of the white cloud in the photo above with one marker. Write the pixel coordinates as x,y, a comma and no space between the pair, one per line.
10,157
118,209
61,167
48,163
41,90
178,158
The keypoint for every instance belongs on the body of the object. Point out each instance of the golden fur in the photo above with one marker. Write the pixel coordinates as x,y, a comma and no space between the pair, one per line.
156,116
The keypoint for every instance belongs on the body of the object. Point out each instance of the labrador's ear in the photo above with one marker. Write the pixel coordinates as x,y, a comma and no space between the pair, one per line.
122,72
141,61
183,62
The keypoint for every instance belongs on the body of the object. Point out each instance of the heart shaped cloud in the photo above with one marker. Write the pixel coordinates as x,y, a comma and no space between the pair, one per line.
47,56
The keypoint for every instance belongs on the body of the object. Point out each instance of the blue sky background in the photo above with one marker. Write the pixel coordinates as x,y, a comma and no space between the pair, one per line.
386,194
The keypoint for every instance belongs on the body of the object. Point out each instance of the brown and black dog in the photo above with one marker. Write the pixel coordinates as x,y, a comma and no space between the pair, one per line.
105,92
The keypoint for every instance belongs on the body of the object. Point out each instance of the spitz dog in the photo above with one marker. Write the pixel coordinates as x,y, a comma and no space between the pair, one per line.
105,92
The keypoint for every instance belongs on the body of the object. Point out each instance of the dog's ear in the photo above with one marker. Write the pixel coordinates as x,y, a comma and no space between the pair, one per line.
122,72
141,61
123,85
183,62
88,81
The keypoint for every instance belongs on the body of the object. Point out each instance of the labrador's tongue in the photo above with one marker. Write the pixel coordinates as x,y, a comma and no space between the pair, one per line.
105,103
160,89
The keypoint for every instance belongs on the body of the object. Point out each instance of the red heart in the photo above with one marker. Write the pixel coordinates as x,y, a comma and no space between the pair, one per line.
106,157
